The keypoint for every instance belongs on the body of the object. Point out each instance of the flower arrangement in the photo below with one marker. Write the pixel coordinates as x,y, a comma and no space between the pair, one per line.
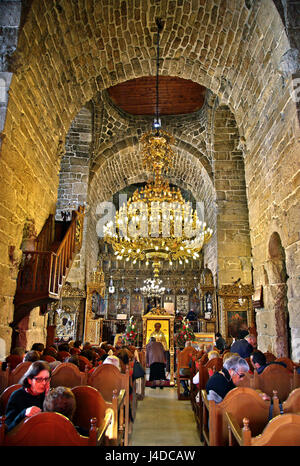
130,335
185,333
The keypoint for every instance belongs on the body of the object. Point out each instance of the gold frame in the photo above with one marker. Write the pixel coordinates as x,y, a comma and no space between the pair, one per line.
160,315
205,338
229,295
92,327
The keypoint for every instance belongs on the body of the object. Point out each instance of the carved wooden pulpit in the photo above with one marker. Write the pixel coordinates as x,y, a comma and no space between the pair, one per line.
158,315
95,290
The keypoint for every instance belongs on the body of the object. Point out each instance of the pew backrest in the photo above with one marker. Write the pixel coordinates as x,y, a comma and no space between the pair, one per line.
16,374
109,381
107,378
90,404
5,395
68,375
275,377
46,429
283,430
240,402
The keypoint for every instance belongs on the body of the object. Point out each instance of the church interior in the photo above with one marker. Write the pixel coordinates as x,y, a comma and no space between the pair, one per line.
189,109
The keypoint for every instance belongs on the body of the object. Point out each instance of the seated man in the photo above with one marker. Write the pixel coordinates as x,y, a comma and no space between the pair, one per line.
245,346
220,342
258,360
220,383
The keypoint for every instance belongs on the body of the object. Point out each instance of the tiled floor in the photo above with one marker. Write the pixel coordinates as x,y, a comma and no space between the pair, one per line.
162,420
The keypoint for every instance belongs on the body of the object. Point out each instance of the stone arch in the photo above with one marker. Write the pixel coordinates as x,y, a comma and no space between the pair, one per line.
277,278
124,167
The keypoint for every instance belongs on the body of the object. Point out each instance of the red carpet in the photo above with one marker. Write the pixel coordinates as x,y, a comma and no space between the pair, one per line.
166,383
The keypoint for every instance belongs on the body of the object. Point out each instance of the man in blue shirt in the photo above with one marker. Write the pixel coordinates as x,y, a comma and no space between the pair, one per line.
245,346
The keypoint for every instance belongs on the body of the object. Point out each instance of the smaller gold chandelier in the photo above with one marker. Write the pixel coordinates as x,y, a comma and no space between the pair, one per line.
152,288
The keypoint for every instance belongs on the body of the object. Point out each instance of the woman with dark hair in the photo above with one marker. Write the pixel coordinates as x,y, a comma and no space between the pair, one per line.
28,400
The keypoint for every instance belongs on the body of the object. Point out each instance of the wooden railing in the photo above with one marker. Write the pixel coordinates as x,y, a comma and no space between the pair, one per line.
64,255
42,273
46,236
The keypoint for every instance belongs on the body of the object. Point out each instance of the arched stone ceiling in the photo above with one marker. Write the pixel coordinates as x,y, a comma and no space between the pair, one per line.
125,167
67,54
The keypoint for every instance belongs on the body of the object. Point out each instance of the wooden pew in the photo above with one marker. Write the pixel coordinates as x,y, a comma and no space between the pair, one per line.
141,382
216,365
290,364
283,430
67,375
274,377
240,402
52,429
290,405
15,375
4,374
5,395
106,379
91,404
183,359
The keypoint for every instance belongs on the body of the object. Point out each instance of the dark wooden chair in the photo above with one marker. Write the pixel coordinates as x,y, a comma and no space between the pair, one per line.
62,355
274,377
48,358
84,363
108,380
15,375
13,360
241,402
91,404
290,405
51,429
183,359
283,430
5,395
213,365
288,362
67,375
270,357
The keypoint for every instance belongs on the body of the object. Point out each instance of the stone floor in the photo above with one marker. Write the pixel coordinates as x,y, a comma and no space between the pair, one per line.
162,420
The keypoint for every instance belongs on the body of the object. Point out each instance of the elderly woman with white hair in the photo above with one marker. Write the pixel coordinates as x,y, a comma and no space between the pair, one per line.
220,383
111,359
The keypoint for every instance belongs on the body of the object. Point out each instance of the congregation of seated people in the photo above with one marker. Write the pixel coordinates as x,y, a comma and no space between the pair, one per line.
35,394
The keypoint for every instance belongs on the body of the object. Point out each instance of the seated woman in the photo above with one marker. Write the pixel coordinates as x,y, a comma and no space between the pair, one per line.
62,400
28,400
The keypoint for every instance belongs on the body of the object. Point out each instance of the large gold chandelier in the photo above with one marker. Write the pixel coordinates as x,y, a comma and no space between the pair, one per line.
157,224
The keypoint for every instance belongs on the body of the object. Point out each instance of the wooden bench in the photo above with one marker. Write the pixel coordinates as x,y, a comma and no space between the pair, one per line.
15,375
108,380
215,365
52,429
183,359
240,402
290,405
67,375
91,404
5,395
274,377
283,430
